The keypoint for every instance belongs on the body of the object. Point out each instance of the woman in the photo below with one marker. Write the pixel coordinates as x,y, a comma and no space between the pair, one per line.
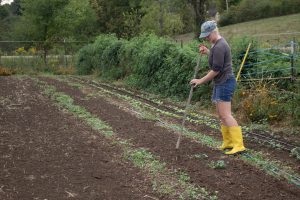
220,63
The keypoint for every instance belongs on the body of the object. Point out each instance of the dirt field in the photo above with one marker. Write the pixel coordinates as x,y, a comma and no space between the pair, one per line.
49,154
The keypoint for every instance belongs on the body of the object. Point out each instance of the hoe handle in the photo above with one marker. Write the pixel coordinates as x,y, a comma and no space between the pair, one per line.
188,103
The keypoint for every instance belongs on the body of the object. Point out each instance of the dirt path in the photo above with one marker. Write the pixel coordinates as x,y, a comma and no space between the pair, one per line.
48,154
237,181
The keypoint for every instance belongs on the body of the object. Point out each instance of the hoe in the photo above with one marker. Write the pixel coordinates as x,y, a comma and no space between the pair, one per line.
188,103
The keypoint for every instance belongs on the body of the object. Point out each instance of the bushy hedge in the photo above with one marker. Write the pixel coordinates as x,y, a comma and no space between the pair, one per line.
161,66
150,63
248,10
146,62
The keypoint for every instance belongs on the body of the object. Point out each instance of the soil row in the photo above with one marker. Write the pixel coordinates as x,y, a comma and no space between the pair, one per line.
49,154
238,180
251,142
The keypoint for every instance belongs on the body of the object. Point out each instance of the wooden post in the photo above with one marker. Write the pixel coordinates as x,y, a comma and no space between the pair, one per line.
292,59
65,51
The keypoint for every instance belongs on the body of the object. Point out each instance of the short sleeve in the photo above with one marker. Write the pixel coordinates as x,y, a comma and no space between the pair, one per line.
218,59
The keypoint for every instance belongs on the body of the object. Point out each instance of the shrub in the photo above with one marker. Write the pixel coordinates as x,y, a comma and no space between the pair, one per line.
160,66
84,59
103,56
146,62
257,9
6,71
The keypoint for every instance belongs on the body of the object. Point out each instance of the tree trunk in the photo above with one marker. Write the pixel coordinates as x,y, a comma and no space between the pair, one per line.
200,12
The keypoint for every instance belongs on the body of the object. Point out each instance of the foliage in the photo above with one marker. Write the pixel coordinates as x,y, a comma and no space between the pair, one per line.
259,105
102,57
266,103
219,164
78,19
296,152
128,18
248,10
239,47
171,21
110,14
199,13
146,62
6,71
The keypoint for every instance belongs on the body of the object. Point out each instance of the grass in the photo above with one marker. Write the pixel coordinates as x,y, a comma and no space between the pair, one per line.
219,164
264,27
259,29
165,181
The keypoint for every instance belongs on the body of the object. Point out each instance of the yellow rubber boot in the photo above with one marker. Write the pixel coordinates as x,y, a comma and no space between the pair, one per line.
227,143
237,140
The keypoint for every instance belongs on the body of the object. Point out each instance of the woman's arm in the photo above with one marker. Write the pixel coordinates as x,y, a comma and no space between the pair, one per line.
209,76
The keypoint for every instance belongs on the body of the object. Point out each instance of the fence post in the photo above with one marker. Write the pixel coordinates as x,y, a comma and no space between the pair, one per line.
65,58
292,59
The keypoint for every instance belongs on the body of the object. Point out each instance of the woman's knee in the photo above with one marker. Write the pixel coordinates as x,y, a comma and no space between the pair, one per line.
225,116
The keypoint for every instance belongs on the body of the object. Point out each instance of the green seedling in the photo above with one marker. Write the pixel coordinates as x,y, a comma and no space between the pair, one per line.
202,156
219,164
296,153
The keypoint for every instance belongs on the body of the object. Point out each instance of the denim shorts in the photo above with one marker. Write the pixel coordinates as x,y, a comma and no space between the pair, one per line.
224,91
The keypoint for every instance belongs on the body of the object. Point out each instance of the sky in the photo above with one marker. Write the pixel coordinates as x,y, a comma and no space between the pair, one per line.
6,1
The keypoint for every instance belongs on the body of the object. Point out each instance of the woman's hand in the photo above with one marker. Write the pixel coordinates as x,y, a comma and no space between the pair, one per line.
203,49
195,82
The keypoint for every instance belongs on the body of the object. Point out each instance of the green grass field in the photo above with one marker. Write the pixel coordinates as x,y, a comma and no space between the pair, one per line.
267,30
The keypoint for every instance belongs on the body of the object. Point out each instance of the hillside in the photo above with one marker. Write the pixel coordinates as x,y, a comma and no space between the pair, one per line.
269,29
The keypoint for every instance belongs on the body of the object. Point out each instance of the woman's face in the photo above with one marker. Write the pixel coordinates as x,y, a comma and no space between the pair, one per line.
208,37
211,37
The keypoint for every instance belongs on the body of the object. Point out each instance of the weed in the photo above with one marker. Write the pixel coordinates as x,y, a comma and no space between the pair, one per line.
201,156
6,71
184,177
296,152
219,164
67,102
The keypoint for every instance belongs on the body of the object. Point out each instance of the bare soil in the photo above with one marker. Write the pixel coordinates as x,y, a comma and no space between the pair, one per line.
49,154
237,181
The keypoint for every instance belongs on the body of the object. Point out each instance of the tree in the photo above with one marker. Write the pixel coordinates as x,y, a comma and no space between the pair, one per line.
200,13
161,17
78,19
38,21
15,7
111,14
4,21
3,12
55,21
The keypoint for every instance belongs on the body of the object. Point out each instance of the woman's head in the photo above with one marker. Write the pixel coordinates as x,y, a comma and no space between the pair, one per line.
209,31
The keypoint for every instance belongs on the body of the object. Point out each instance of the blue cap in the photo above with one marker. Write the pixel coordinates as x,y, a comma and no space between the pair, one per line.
207,28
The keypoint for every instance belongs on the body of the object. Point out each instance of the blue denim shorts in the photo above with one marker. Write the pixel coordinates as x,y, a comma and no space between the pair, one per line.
224,91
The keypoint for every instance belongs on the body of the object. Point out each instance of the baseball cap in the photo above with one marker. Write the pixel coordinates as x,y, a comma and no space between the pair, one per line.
207,27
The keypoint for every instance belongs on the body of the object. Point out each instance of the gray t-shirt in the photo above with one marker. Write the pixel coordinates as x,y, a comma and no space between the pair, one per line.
220,60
